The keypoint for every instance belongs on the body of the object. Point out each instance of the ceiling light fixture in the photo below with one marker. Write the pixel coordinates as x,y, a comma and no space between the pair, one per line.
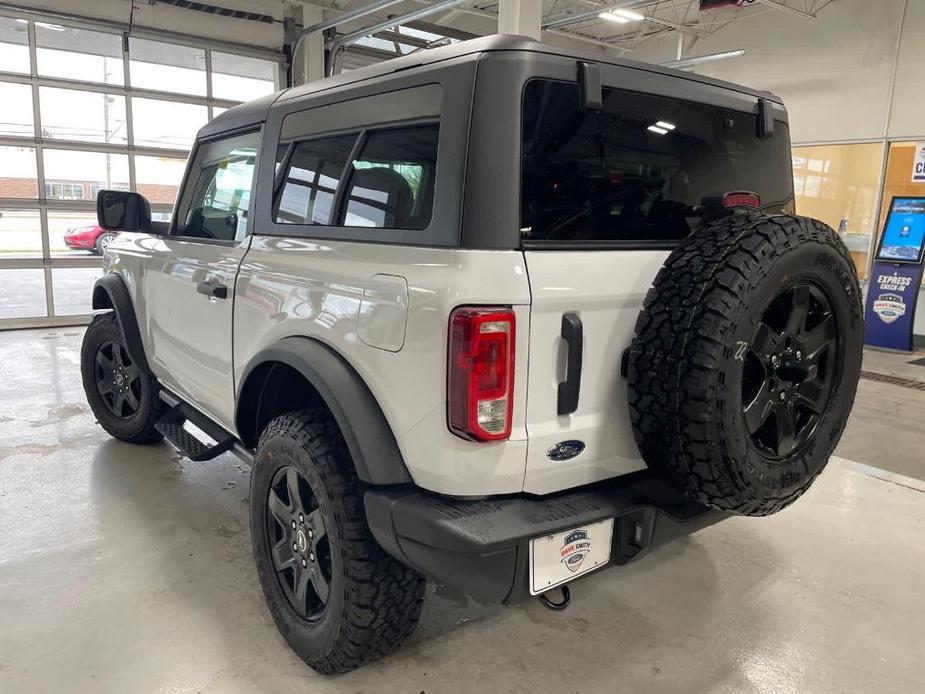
665,125
656,129
629,14
611,17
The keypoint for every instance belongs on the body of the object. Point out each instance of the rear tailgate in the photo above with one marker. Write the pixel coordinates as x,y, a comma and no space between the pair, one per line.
605,195
605,296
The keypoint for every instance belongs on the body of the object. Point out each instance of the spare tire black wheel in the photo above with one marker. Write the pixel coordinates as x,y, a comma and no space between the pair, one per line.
745,361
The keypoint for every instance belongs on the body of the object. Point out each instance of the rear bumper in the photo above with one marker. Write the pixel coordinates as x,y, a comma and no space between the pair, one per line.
481,547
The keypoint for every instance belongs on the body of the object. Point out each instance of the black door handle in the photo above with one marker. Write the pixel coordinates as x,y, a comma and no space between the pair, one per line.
216,289
572,333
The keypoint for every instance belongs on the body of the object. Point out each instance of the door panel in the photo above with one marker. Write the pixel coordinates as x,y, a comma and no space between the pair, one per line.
190,332
605,289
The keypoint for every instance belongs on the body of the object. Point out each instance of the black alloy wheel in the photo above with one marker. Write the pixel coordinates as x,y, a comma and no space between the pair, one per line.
300,548
118,380
788,370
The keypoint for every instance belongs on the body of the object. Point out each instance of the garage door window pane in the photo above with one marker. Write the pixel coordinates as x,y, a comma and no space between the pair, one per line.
22,294
158,178
241,78
17,173
167,67
17,110
167,123
72,175
20,234
73,289
78,54
73,234
14,45
68,114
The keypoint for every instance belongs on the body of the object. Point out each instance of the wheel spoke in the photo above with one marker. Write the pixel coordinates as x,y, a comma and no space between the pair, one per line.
104,362
813,394
320,584
300,594
315,521
798,310
280,511
785,428
757,412
132,400
765,342
117,355
283,558
104,385
292,486
118,405
820,337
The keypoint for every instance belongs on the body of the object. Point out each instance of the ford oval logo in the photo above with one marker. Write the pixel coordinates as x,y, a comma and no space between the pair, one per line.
565,450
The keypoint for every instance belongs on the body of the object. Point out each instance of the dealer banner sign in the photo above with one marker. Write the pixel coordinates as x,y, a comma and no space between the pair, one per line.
890,309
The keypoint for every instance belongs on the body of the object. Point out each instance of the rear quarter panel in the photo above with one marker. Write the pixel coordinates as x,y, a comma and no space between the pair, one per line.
315,288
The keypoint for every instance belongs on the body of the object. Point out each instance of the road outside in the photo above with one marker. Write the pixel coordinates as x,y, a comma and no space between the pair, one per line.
22,292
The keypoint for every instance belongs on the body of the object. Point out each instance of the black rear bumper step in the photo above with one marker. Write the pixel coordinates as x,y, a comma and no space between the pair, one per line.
171,426
481,547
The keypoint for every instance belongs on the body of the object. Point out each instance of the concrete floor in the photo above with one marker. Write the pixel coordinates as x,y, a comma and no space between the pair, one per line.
128,569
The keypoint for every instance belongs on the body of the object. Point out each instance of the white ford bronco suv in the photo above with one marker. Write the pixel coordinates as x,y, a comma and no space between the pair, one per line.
494,314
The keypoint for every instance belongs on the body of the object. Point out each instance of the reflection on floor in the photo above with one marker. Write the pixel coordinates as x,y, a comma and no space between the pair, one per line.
128,569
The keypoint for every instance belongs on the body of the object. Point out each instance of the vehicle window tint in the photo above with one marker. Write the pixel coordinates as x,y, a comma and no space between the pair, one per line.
391,184
311,179
217,194
640,169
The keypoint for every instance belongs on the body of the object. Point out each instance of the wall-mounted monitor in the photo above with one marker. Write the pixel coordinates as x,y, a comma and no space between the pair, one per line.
903,238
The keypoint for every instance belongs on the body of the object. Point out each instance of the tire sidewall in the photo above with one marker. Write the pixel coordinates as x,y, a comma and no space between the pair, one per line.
103,330
311,639
820,265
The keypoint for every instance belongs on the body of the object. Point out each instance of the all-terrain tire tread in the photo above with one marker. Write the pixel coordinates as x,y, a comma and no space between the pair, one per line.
383,597
684,332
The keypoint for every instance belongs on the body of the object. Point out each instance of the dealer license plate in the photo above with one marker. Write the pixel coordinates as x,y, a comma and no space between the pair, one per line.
560,558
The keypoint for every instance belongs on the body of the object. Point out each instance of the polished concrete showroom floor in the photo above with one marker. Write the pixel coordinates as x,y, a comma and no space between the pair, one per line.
129,569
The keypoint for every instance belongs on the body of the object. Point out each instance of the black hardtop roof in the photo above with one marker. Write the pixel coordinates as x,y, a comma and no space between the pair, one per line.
256,111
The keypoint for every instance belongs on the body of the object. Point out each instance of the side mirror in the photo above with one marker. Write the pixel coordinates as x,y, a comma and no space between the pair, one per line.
121,210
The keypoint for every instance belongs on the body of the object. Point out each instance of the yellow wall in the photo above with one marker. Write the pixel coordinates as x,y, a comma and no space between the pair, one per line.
837,184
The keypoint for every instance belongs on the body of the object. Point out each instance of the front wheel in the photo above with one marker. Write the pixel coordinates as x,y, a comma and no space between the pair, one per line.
122,394
337,598
102,243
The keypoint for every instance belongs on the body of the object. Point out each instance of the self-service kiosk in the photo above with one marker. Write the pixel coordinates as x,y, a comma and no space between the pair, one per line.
896,276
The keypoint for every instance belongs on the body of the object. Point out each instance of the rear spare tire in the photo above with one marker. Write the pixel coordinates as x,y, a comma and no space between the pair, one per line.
745,361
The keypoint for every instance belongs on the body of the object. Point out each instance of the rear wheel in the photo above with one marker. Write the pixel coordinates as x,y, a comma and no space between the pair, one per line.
122,394
745,362
337,598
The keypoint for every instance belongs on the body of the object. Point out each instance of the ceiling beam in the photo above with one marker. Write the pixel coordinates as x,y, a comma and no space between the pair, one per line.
785,8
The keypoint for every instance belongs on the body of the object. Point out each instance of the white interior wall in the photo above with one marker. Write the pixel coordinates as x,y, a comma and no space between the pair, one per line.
833,72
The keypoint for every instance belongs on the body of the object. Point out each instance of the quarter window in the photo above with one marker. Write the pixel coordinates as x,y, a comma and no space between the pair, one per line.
217,194
391,184
314,171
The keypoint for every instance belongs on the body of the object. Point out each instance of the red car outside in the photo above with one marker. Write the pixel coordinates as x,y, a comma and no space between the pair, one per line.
88,238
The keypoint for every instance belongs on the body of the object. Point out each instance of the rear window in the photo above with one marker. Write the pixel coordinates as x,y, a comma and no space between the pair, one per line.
638,170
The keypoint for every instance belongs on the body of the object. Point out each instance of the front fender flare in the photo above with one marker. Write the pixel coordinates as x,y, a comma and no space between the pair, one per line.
366,431
110,292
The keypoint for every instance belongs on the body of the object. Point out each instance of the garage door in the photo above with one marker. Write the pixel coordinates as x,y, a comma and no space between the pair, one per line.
83,109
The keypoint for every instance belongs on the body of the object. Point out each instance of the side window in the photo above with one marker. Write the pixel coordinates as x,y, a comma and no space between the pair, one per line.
216,198
312,176
391,182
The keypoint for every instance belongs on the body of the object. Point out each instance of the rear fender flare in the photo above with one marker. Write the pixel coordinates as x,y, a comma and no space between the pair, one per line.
366,431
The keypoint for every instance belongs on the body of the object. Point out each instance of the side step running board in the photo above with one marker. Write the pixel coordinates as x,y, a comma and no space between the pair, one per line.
171,426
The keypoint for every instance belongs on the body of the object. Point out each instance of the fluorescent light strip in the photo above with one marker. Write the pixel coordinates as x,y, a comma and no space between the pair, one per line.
611,17
656,129
665,125
629,14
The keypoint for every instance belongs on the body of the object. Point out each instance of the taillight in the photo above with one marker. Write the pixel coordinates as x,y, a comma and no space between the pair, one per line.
481,373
